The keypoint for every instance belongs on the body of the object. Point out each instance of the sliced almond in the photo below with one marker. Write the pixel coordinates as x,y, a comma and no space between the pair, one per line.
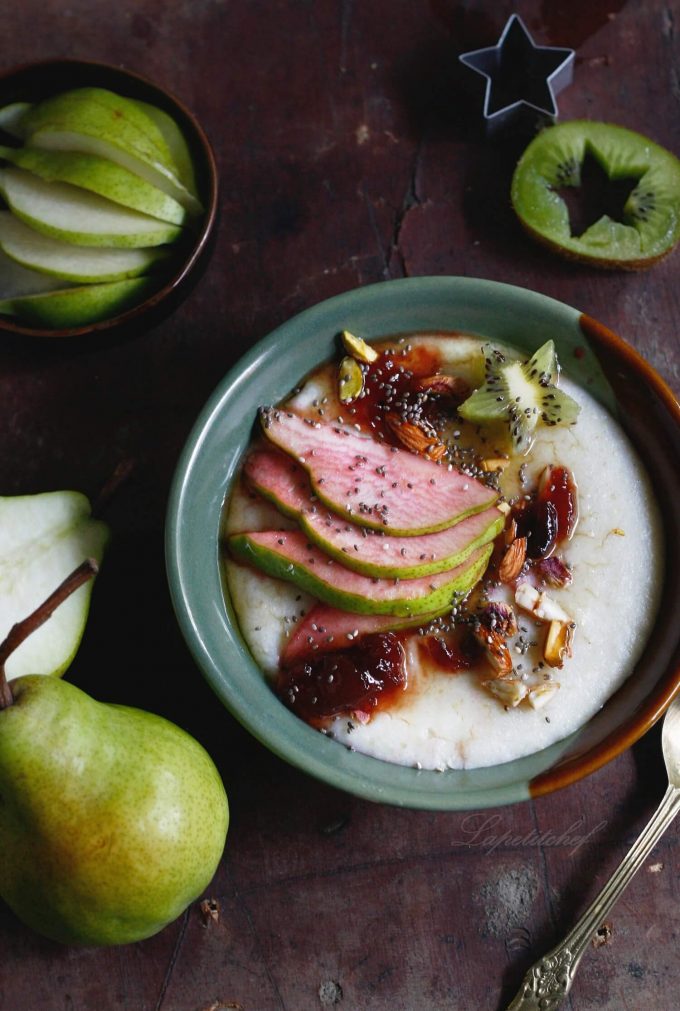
509,692
558,643
513,560
510,532
493,463
415,438
541,695
357,347
541,605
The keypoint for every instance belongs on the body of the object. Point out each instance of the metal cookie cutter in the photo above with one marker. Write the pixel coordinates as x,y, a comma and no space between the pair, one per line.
522,79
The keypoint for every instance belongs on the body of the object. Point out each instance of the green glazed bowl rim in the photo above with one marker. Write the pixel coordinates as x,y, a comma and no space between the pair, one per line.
209,462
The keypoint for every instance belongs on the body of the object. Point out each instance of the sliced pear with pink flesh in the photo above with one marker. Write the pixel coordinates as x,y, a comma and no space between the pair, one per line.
72,263
288,555
326,629
284,483
98,175
77,306
42,539
99,122
373,484
73,215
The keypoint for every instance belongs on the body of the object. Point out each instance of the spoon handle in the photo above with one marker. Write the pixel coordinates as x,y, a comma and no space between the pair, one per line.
549,980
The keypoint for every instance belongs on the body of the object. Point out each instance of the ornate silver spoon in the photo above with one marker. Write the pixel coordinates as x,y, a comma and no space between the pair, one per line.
549,980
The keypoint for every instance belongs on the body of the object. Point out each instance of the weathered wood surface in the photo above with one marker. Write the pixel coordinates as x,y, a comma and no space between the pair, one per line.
347,154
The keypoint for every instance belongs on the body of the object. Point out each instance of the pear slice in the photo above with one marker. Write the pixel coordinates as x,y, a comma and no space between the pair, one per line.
17,281
66,212
77,306
375,485
72,263
98,175
288,555
373,553
326,629
42,539
96,121
177,145
11,117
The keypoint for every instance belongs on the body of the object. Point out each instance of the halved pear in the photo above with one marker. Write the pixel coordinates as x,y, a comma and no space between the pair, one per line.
77,306
174,138
17,281
96,121
74,215
98,175
72,263
42,539
11,117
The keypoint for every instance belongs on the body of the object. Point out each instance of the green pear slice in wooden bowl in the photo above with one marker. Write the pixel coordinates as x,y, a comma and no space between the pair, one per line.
100,176
96,121
11,116
17,280
42,539
177,145
77,306
72,263
66,212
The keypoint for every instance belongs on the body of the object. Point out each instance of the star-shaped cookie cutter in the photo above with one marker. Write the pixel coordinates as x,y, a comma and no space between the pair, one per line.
522,79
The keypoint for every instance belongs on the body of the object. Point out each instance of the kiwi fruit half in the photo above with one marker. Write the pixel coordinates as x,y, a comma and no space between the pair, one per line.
520,394
647,226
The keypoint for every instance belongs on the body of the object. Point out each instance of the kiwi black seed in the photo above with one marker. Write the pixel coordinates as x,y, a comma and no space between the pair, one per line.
649,224
520,394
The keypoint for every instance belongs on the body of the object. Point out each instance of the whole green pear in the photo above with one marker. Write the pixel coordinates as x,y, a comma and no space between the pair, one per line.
112,820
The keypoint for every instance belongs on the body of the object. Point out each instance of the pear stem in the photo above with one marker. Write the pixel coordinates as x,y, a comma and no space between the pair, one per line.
21,631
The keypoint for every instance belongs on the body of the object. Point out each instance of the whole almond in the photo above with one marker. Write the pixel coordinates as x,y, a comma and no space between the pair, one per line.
513,560
415,438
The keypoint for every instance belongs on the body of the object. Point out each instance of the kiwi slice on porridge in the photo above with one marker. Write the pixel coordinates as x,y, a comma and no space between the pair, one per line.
639,220
521,395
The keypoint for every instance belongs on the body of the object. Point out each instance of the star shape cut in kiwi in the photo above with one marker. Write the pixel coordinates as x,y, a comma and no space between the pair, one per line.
520,76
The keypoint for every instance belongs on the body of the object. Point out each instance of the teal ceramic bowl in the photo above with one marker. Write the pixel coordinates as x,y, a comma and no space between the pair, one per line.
590,354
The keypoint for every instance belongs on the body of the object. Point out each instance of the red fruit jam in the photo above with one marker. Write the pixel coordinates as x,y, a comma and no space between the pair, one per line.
453,652
388,383
559,488
360,678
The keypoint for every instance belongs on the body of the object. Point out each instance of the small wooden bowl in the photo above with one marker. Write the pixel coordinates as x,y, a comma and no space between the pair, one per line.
36,81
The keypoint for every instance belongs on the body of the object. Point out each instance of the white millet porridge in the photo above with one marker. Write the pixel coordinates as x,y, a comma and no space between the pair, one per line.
448,720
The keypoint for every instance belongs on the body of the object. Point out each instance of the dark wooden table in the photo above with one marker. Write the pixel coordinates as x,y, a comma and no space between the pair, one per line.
347,154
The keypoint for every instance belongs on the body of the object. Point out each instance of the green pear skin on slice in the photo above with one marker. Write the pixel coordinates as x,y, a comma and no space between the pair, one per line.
375,485
11,118
42,539
96,121
100,176
72,263
17,281
65,212
284,483
78,306
177,145
289,556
